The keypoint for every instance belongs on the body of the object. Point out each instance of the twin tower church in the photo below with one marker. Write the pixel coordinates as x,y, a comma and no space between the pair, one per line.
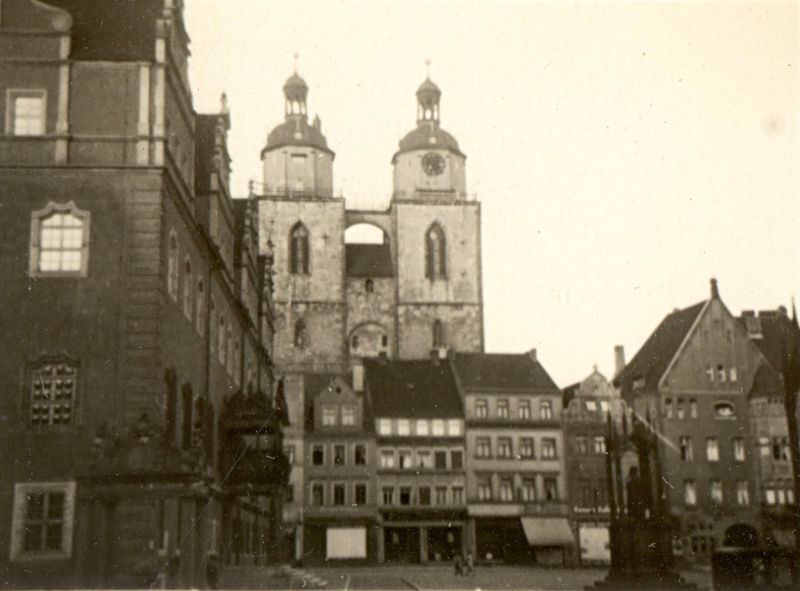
337,301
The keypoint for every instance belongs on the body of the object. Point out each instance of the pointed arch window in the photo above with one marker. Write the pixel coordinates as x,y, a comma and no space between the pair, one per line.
59,241
200,320
435,253
298,250
438,334
187,288
172,266
300,334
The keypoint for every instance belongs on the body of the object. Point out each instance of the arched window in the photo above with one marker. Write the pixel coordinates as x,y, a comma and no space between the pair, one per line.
221,336
298,250
200,306
438,334
59,240
172,266
186,426
187,288
300,334
435,253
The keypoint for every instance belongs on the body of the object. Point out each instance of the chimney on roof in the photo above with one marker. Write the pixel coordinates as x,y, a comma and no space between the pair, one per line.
714,288
358,377
317,123
532,354
783,311
619,359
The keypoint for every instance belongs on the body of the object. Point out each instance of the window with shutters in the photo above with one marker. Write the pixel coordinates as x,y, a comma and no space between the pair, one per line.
59,244
53,391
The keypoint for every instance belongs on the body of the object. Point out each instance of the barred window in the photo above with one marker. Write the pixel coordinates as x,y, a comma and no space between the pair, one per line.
53,391
59,241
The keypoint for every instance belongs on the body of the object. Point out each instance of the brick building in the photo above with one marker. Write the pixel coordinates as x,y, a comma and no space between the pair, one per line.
698,374
587,405
516,486
771,331
140,367
413,286
419,425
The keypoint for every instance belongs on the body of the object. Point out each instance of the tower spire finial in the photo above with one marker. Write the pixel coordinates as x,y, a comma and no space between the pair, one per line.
428,68
296,56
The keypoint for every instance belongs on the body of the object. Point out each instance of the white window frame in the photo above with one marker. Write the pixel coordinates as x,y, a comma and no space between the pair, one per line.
437,427
403,427
454,427
423,428
384,426
12,94
21,490
37,219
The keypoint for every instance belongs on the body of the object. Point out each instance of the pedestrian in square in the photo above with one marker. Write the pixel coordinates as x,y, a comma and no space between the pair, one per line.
458,565
470,569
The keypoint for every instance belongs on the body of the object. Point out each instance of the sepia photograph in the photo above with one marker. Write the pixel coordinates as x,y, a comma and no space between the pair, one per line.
400,294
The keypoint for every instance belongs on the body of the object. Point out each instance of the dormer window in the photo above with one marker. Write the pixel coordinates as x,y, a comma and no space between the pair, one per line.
348,416
329,416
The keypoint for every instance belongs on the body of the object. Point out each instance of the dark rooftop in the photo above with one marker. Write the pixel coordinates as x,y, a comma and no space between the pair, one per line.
420,139
501,372
369,260
651,361
423,388
296,131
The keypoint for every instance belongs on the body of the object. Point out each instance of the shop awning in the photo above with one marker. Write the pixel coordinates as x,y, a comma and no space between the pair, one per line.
547,531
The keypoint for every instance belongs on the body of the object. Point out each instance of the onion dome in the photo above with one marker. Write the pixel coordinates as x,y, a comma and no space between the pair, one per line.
428,94
295,88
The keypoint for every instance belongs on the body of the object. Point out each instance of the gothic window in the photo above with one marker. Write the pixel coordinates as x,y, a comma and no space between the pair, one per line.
221,336
435,251
186,425
187,288
171,384
298,250
54,386
59,241
300,334
437,334
200,307
172,266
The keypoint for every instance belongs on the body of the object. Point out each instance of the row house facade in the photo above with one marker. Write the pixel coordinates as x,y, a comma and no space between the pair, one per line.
339,516
136,302
420,479
700,375
587,406
515,454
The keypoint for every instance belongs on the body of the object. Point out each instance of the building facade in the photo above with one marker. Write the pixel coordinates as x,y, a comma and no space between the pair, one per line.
339,514
340,300
587,406
698,375
419,426
516,485
135,301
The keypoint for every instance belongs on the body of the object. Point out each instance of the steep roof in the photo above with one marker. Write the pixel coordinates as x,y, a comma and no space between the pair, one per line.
420,388
369,260
767,382
205,139
776,328
651,361
501,372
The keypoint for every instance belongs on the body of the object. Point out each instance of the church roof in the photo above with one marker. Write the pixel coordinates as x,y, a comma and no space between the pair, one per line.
296,131
500,371
408,389
428,136
368,260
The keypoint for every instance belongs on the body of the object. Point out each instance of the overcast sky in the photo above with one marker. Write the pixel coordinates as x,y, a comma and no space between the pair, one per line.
624,153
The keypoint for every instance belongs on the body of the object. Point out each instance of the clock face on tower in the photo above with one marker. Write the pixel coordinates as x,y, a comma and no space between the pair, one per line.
433,164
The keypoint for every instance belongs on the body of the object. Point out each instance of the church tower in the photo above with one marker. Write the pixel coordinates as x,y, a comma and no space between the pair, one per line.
437,236
305,225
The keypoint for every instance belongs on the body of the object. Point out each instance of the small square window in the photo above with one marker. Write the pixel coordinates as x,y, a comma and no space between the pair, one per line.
26,112
422,428
384,427
42,520
403,427
454,427
438,427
